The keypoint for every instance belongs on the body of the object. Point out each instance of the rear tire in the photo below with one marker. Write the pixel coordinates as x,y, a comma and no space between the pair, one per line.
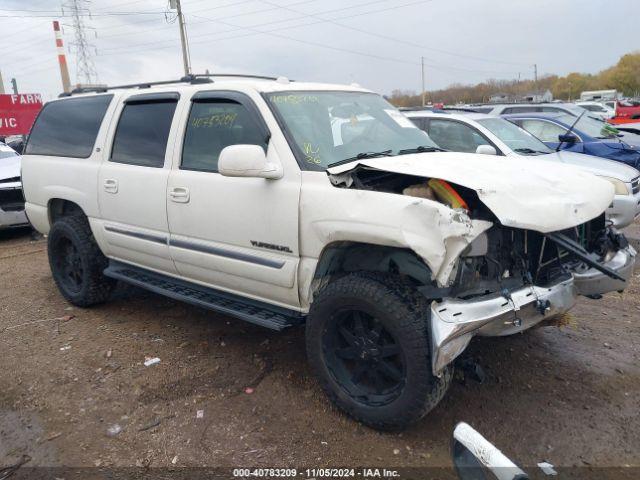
367,339
77,263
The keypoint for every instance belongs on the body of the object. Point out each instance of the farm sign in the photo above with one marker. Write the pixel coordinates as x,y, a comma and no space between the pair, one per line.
17,113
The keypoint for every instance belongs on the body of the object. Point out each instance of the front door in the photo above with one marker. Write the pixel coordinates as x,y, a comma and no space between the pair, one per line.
132,183
235,234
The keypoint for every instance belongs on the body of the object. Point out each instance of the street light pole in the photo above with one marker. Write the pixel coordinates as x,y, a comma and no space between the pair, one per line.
424,93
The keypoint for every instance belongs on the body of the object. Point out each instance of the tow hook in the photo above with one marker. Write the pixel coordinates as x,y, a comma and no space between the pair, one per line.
516,322
543,306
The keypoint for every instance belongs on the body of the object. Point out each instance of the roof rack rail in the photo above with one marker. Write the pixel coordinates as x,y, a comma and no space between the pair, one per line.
192,78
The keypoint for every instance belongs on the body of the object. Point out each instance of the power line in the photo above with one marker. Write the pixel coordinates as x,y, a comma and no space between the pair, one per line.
85,67
386,37
261,24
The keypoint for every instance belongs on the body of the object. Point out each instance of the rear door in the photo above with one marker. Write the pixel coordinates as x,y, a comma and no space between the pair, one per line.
132,181
235,234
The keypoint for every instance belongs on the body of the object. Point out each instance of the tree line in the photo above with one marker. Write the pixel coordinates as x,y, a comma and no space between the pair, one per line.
624,77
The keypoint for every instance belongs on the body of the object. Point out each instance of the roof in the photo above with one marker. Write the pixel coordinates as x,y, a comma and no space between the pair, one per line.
222,81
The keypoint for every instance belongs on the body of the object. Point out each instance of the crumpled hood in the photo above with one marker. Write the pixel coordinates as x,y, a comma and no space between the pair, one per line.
519,192
595,165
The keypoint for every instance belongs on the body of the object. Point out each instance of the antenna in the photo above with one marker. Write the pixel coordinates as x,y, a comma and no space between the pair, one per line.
85,67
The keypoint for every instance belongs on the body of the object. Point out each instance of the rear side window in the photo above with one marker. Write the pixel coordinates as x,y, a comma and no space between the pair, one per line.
68,128
214,125
142,133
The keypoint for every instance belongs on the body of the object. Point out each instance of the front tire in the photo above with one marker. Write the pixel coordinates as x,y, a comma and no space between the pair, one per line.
368,343
77,263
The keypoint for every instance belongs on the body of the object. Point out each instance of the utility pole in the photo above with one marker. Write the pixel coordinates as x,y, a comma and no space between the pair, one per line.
1,84
535,75
175,4
424,93
14,85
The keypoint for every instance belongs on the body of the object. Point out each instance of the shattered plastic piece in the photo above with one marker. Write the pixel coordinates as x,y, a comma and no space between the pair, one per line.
200,414
66,347
547,469
249,390
114,430
148,361
174,460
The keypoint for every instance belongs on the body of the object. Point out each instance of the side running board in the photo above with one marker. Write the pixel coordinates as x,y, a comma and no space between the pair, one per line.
253,311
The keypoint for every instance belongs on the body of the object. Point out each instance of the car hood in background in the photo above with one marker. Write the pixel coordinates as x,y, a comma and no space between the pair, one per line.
9,167
519,193
596,165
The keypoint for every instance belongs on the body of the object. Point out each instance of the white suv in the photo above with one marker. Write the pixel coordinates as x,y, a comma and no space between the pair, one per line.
240,195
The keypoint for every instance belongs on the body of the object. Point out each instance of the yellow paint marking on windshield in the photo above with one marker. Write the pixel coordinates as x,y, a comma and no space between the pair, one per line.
293,99
311,154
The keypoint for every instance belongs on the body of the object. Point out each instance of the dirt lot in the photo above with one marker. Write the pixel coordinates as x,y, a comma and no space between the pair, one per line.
569,395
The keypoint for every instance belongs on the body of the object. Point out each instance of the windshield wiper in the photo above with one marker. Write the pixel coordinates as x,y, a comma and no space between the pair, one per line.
529,151
421,149
361,156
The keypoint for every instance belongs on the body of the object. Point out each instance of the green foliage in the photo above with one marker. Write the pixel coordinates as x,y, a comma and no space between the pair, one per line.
624,77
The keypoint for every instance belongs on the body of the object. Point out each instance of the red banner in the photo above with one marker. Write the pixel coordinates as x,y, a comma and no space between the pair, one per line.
17,113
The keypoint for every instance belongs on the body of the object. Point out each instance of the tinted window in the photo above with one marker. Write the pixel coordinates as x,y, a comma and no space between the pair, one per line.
68,128
455,136
142,133
213,126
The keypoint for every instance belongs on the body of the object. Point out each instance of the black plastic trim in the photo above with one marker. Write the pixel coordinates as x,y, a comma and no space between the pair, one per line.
227,253
143,236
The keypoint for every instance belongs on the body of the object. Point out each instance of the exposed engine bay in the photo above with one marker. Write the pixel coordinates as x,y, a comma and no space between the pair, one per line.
502,259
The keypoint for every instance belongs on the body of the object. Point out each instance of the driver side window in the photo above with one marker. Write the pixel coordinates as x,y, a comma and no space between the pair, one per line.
545,131
214,125
455,136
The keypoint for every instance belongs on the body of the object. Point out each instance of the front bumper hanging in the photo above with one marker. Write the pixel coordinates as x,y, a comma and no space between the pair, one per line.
455,322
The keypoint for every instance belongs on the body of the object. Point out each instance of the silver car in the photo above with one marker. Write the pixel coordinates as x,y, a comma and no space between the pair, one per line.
11,199
481,133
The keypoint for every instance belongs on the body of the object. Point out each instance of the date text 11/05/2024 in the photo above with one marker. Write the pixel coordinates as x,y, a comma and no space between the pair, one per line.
315,473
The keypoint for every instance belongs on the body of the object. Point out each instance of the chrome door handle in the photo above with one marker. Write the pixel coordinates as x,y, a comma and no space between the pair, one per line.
111,185
179,194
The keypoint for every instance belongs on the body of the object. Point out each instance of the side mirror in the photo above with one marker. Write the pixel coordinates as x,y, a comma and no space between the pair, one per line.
247,161
567,138
475,458
486,150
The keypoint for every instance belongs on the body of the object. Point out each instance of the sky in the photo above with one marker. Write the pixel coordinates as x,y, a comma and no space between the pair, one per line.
377,44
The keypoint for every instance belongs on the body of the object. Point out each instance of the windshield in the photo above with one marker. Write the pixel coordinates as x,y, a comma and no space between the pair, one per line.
517,139
330,127
7,152
590,126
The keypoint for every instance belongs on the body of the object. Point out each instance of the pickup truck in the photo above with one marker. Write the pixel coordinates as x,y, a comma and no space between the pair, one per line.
237,194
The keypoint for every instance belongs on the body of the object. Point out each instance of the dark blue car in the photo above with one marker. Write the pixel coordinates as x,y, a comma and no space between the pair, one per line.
588,136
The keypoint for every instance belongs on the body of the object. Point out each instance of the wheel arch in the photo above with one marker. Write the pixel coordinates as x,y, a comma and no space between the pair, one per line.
60,207
343,257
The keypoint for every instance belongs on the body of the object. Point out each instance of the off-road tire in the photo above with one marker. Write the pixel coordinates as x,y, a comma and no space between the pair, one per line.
405,314
93,286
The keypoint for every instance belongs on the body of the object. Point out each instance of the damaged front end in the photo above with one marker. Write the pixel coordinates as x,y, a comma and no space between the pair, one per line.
513,275
524,277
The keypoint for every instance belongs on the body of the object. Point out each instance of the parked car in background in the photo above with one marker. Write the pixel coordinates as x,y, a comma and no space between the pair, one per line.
511,108
478,133
587,136
597,109
11,199
627,111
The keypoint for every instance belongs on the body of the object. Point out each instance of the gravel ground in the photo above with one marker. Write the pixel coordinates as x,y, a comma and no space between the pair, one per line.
568,394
